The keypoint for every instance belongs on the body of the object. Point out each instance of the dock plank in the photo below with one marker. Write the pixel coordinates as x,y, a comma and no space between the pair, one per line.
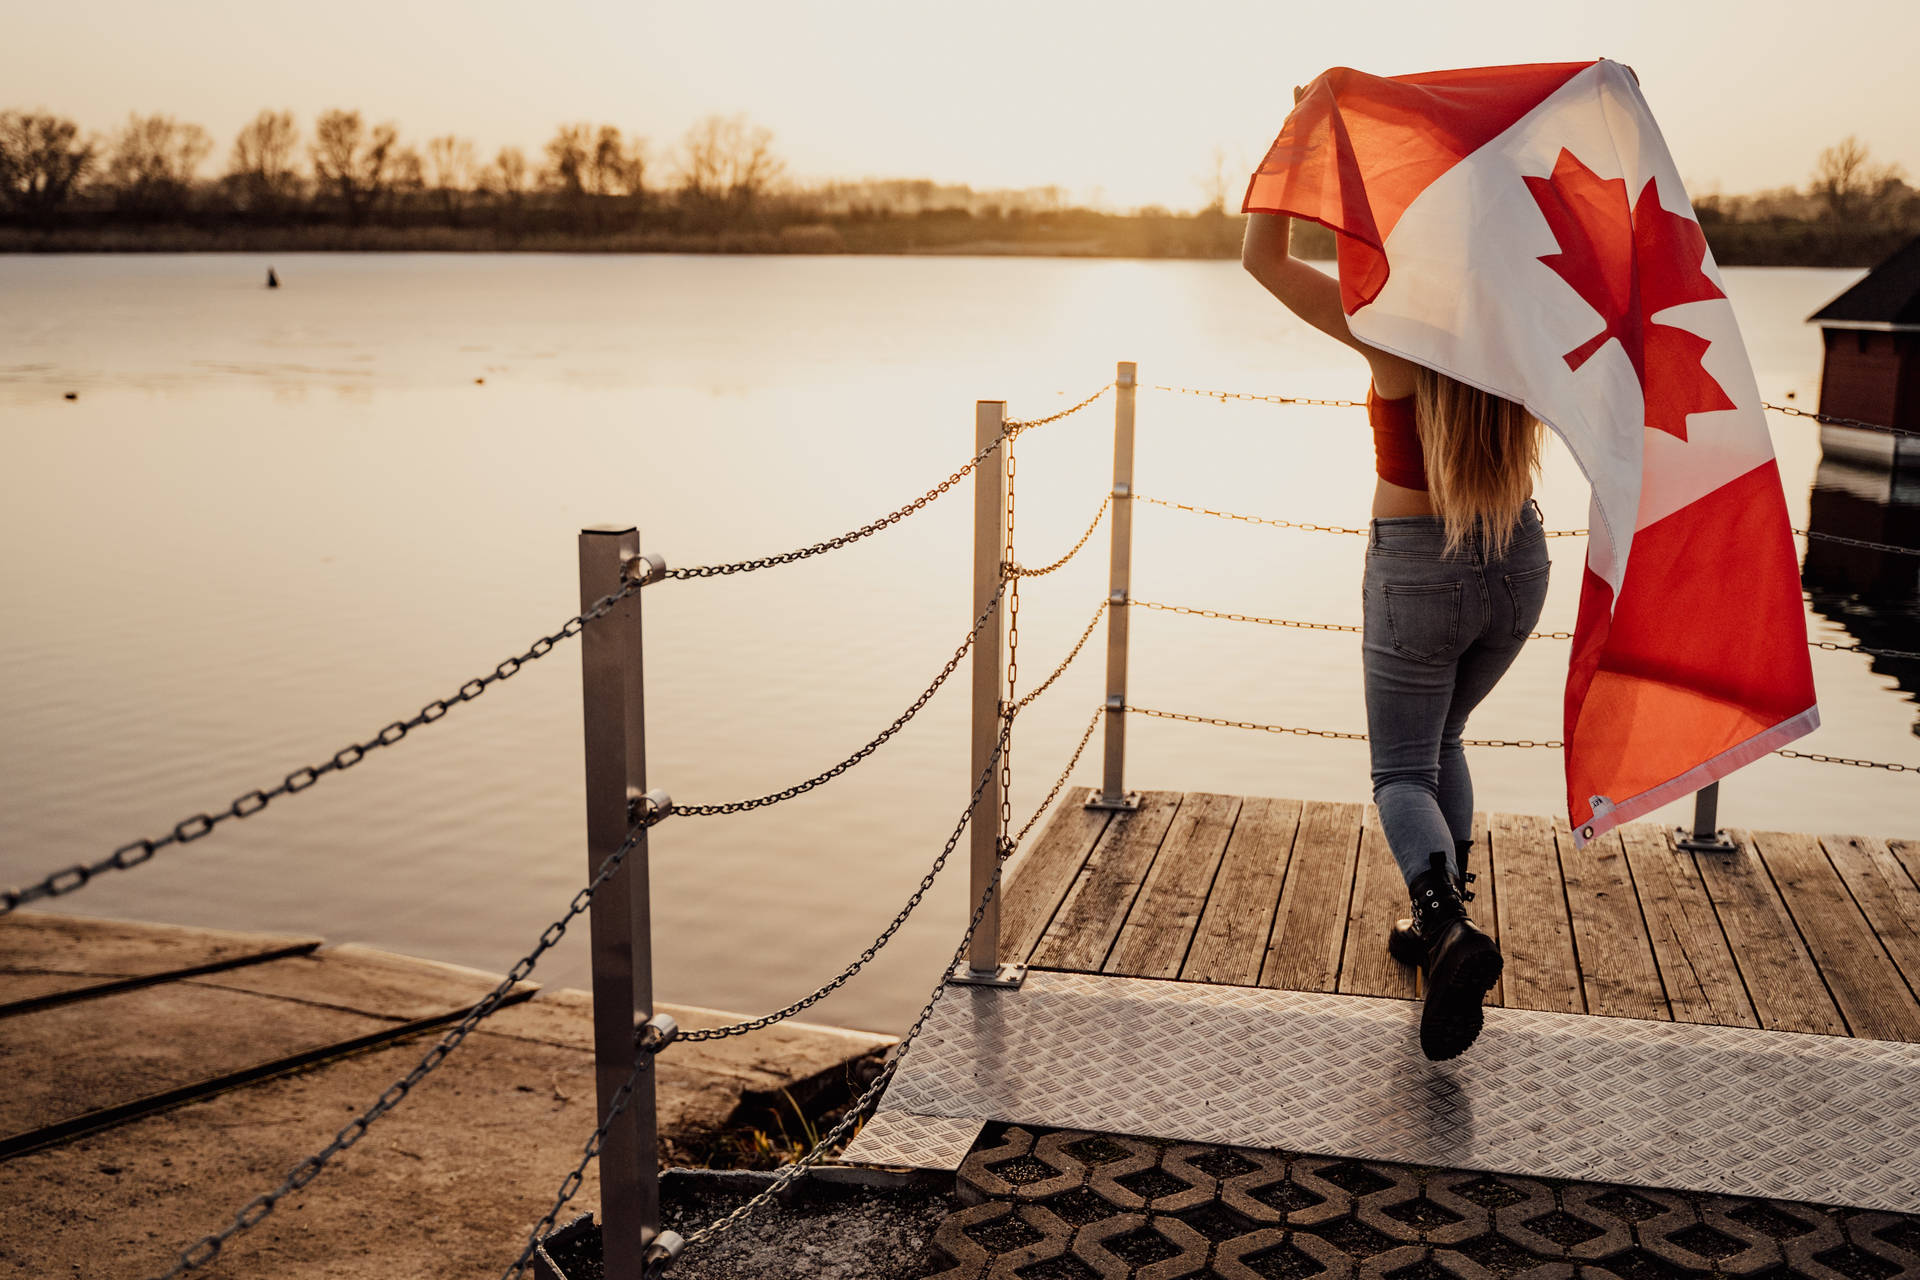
1231,939
1618,975
1035,882
1696,964
1787,990
1310,929
1159,928
1536,937
1886,894
1089,919
1865,984
1379,898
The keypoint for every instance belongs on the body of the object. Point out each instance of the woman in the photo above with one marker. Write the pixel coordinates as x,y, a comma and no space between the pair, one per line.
1455,579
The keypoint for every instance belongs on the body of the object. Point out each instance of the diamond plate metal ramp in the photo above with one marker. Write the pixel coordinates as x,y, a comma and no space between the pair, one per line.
1656,1104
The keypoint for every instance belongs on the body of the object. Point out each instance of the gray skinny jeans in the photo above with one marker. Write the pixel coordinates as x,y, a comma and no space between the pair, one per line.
1439,632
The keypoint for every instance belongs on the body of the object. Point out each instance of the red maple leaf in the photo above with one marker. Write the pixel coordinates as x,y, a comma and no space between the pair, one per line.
1629,264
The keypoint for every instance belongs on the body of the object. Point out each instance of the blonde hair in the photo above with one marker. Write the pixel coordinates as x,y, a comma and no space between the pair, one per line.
1481,452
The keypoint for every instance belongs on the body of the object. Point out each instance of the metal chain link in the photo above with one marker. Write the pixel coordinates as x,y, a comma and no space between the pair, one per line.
1861,648
1079,644
1013,658
1296,524
1016,425
190,829
1863,764
1072,551
1303,626
205,1250
1829,418
900,721
1247,395
1552,743
1859,542
1835,420
873,949
1832,645
1011,429
835,543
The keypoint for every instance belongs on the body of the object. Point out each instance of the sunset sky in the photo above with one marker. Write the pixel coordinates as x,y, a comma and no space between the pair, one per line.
1120,103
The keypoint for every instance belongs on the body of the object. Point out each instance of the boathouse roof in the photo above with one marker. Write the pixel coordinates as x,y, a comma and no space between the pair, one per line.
1887,297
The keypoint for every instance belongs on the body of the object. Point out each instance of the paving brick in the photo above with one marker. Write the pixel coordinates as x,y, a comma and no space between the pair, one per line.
1269,1195
976,1180
1106,1178
1176,1248
1891,1236
1299,1257
1420,1219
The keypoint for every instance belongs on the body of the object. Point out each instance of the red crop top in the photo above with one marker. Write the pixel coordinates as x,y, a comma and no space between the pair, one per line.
1396,441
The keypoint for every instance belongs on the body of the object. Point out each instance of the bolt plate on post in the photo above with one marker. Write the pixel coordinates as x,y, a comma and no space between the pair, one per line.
1691,841
1006,975
1123,804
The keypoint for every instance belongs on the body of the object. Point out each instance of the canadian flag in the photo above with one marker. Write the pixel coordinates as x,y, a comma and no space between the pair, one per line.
1523,229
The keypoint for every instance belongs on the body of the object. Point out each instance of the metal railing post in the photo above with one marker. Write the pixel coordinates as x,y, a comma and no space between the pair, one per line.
616,767
1113,793
1705,837
982,965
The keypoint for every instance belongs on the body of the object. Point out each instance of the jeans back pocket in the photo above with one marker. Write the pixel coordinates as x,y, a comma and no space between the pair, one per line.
1528,591
1423,618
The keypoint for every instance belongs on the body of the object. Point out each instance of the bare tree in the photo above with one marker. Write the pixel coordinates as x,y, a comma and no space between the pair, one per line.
41,158
509,175
152,164
725,163
352,160
260,172
450,173
569,153
617,167
1851,189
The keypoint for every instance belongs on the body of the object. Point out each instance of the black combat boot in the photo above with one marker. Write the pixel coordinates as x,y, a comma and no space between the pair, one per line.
1404,942
1461,964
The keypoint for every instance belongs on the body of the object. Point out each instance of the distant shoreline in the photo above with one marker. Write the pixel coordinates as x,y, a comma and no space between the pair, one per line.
1790,244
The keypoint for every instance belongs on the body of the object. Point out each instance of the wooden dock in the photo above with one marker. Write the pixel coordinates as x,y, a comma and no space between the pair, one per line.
1792,932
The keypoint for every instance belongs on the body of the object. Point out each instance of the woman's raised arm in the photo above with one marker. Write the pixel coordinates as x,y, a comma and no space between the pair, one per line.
1314,296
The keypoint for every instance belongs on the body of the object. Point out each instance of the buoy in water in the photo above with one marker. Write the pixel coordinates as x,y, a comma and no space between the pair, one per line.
273,281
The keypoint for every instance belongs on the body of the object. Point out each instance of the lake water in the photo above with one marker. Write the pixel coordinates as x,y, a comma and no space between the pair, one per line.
274,521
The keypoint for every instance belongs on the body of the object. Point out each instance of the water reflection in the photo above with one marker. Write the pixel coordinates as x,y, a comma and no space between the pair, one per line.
1874,595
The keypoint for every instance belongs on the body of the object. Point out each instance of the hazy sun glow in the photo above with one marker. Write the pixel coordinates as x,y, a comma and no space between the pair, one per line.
1119,103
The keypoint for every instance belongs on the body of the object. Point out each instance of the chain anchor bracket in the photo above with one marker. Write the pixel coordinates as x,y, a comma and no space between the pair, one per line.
1004,975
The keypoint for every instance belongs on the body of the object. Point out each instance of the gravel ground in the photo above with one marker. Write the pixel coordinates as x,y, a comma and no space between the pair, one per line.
824,1232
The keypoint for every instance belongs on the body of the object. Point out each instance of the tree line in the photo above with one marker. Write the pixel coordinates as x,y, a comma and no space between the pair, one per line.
721,185
350,171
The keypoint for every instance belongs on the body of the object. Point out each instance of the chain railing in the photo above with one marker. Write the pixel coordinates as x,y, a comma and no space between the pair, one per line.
1553,744
1020,571
207,1248
880,740
1013,429
1834,420
857,1110
189,829
1790,410
1831,645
